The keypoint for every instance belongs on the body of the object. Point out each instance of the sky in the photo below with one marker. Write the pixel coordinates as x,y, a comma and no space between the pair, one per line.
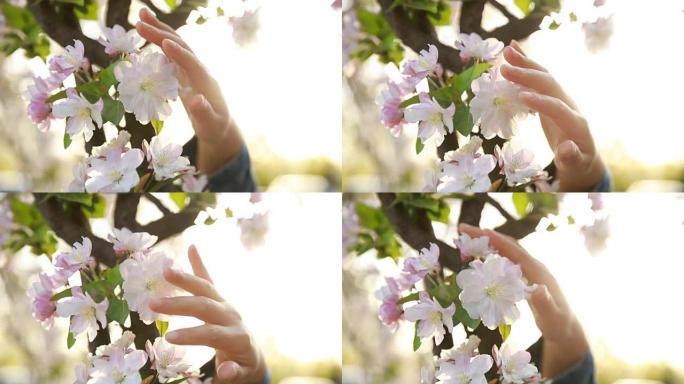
627,297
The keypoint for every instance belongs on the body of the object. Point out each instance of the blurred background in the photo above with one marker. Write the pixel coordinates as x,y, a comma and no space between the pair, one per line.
268,75
285,282
619,267
611,74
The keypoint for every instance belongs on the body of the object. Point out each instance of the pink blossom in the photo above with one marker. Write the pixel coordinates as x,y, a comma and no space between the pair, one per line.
434,121
425,64
71,61
41,292
425,263
596,201
194,182
389,101
39,110
390,311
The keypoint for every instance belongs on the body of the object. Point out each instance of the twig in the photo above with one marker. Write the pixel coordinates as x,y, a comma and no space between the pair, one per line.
490,200
157,203
502,8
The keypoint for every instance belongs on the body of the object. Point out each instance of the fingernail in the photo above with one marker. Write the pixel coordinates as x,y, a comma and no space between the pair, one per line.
171,336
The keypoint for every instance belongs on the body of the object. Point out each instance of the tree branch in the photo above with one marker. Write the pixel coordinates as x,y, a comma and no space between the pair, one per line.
126,210
157,203
118,14
71,225
179,16
517,29
502,8
471,16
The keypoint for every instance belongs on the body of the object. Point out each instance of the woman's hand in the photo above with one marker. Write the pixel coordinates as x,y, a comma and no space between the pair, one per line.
564,341
218,138
238,360
580,167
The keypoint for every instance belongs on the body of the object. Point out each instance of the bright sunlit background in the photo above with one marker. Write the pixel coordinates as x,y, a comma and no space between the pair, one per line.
287,290
625,291
282,89
627,91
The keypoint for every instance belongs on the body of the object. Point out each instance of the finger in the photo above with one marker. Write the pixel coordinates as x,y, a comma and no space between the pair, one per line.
515,58
198,76
147,16
567,119
230,371
198,267
470,230
518,47
192,284
569,155
202,308
507,246
543,305
537,80
202,113
211,335
157,35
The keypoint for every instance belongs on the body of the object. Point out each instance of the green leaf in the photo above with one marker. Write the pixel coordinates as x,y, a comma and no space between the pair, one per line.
220,12
78,198
179,198
88,11
74,2
171,3
201,20
462,316
158,125
117,310
61,294
525,6
573,17
113,111
379,233
463,120
443,15
408,298
67,140
463,80
113,276
162,327
419,145
554,25
416,339
71,340
504,331
97,209
521,202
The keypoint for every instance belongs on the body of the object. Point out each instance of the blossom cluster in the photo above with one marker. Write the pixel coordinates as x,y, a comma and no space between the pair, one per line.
97,298
138,82
466,365
486,97
489,288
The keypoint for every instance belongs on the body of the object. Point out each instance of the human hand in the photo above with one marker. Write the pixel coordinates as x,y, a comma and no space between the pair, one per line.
238,360
564,341
218,138
579,166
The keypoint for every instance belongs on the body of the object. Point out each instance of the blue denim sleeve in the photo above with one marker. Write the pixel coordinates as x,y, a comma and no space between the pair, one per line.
605,185
235,176
267,378
581,373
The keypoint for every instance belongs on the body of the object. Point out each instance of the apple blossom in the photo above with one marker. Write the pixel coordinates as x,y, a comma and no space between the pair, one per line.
147,83
143,280
476,248
465,351
515,368
517,164
67,263
85,311
119,368
253,229
166,359
118,145
467,174
119,41
427,375
392,115
469,150
425,263
41,292
245,27
470,371
390,311
491,289
82,373
71,61
80,172
496,106
472,46
165,160
597,234
431,318
117,172
425,64
39,110
193,182
127,242
432,118
597,34
80,114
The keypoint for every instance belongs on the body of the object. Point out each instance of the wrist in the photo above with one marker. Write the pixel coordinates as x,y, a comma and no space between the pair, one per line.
564,352
584,179
219,149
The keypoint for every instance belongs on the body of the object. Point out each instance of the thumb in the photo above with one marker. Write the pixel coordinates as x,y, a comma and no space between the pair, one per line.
229,371
543,306
569,155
